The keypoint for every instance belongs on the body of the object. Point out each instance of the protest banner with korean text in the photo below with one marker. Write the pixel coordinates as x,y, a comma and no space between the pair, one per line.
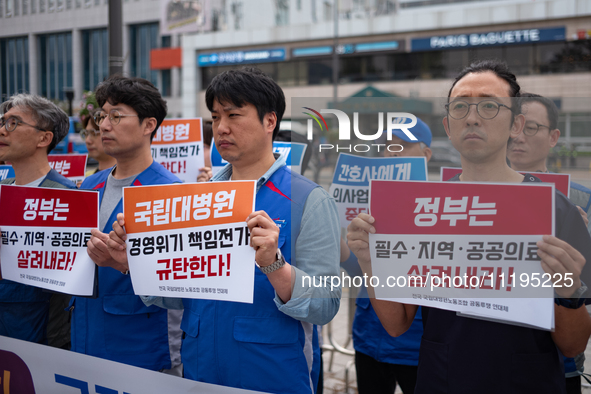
6,171
191,240
28,368
350,182
44,235
294,152
71,166
561,181
178,146
466,247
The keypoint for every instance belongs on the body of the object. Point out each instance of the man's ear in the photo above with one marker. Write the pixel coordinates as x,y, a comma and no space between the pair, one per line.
150,126
428,153
554,135
445,122
45,138
518,125
270,121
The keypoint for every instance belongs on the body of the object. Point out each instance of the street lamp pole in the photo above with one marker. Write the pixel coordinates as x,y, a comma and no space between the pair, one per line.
115,37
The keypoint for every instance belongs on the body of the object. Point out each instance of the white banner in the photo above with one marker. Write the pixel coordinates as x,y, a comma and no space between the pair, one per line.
28,368
191,240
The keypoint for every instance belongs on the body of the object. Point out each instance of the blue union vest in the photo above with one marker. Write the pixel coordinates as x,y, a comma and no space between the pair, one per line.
117,325
255,346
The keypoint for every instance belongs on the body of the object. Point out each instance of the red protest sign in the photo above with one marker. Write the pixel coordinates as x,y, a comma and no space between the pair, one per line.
42,207
407,207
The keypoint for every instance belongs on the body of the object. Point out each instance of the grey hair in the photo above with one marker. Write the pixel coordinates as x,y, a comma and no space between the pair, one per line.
48,116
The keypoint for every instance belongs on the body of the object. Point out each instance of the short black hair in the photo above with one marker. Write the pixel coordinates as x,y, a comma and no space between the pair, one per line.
498,67
138,93
501,70
248,85
551,108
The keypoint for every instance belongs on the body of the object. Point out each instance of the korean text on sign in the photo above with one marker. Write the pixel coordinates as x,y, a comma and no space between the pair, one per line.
469,241
350,184
186,239
71,166
44,233
178,146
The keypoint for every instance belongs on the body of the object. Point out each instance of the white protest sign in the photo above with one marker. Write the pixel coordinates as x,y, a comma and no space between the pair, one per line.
191,240
178,146
44,236
465,247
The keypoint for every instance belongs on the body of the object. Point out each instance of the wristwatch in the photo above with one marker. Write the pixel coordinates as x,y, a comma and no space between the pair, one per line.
575,301
279,262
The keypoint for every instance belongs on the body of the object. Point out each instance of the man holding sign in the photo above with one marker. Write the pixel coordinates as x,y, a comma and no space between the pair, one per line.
460,354
116,325
269,345
30,127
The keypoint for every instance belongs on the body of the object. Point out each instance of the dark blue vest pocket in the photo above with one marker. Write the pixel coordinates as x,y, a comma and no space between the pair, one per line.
271,355
131,327
190,347
433,373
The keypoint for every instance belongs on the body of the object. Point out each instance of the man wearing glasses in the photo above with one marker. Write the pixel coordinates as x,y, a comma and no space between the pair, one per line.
30,127
116,325
530,149
528,152
466,355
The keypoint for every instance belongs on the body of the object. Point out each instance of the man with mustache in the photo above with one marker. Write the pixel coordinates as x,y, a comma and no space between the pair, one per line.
465,355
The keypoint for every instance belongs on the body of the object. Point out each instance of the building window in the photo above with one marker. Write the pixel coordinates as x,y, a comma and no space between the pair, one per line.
55,64
95,56
282,12
14,66
143,38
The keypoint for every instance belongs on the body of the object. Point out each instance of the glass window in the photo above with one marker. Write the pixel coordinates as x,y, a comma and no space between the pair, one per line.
55,64
143,38
16,7
166,90
14,66
319,71
95,57
41,6
287,73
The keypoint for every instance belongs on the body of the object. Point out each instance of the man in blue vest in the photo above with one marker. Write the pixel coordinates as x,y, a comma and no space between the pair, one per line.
529,152
30,127
116,325
271,344
466,355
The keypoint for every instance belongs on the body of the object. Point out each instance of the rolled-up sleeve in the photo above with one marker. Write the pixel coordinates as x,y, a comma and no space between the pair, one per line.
317,254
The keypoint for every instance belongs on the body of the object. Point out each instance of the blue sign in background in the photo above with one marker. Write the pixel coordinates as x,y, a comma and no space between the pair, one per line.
238,57
295,154
488,38
354,170
6,171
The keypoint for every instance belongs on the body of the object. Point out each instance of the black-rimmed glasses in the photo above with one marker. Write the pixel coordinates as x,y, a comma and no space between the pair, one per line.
487,109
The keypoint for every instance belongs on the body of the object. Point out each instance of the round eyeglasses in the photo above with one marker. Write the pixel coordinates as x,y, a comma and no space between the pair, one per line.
531,128
92,133
11,124
114,117
487,109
